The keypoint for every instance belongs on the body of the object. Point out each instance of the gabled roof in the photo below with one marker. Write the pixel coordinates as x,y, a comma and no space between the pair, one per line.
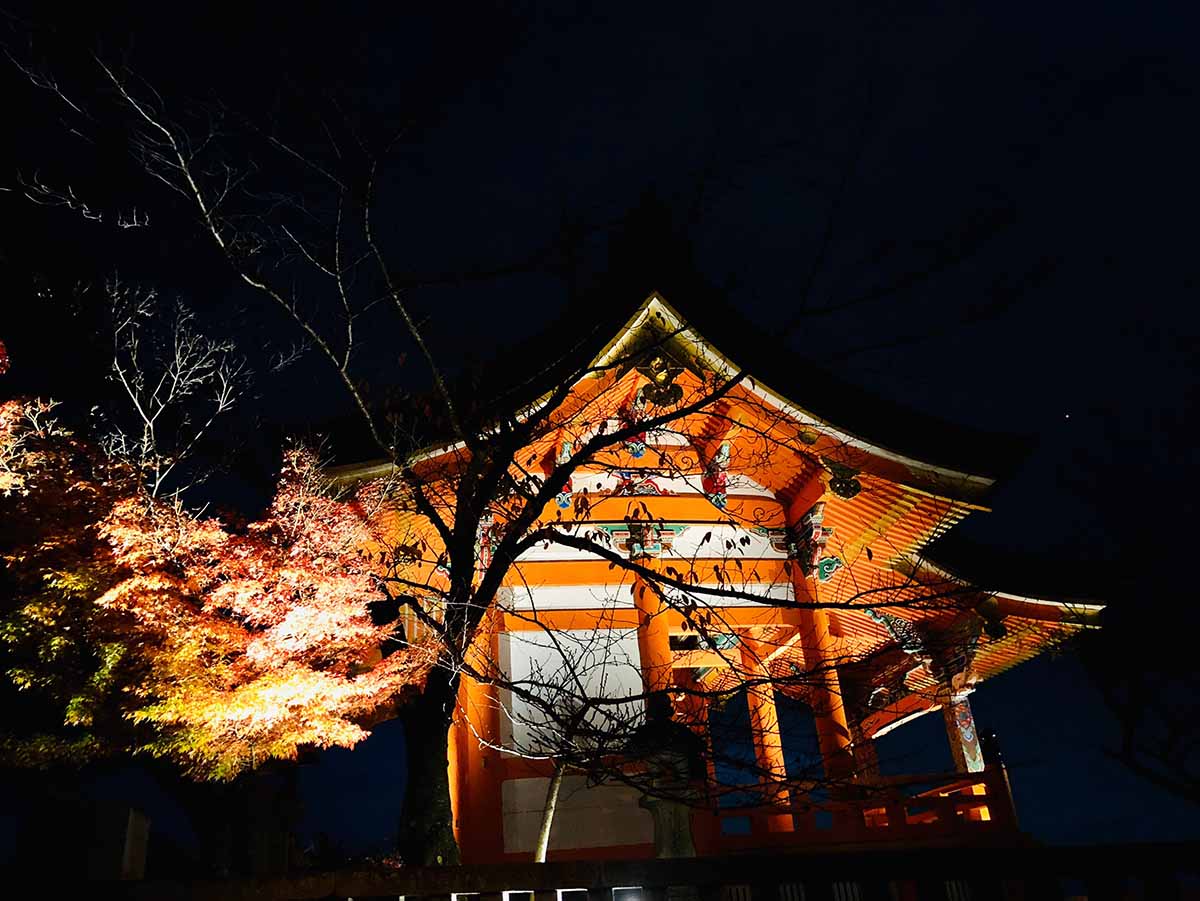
884,445
880,437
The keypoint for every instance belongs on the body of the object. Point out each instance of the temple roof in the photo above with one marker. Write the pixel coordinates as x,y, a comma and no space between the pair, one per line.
590,326
955,461
889,606
1038,575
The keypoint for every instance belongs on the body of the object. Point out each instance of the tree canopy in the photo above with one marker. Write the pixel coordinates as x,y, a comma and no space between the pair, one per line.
141,625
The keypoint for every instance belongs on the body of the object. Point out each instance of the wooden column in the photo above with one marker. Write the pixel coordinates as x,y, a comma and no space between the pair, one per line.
477,799
820,658
960,730
654,637
768,742
820,663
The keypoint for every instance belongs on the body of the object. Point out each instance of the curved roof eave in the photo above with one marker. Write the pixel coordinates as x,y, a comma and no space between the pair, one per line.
1077,611
943,481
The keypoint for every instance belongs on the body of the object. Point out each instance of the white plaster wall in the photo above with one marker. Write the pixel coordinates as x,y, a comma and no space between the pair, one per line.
690,543
619,596
780,591
585,817
606,661
568,597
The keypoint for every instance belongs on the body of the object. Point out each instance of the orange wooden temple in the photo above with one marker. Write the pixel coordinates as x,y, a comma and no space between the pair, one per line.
786,506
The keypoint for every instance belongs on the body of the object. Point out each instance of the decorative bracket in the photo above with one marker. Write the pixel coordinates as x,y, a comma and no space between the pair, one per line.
844,482
810,536
716,477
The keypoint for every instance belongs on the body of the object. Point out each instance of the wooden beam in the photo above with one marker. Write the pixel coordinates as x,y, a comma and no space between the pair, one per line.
721,619
698,659
746,509
909,705
589,571
567,620
1082,615
782,647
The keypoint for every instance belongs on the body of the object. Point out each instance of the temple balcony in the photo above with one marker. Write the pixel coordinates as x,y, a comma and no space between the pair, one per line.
910,811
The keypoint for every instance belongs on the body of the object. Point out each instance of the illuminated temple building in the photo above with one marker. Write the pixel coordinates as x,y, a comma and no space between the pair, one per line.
792,508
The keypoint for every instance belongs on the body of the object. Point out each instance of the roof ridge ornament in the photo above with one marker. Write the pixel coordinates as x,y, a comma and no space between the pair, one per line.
661,371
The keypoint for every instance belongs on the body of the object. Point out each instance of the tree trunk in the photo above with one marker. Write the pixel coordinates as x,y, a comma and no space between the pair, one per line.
543,842
426,819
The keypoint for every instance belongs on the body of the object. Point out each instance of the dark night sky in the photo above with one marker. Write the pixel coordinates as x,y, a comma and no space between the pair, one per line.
1076,325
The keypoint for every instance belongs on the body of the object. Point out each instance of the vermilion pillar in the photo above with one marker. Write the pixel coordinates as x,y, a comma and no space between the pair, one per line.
820,662
820,657
475,761
654,637
768,742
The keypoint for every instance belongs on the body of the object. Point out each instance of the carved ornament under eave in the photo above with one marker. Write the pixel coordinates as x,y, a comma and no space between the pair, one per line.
638,483
993,619
640,539
906,634
826,567
715,480
661,372
843,480
810,535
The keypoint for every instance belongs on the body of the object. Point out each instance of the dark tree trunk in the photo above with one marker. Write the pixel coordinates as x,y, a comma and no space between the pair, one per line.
426,819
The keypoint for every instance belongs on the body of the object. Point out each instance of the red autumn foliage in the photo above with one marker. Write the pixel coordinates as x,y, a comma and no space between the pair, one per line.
221,646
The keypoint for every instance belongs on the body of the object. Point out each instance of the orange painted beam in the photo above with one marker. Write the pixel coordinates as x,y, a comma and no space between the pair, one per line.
754,573
701,659
1083,616
746,510
566,620
906,706
722,619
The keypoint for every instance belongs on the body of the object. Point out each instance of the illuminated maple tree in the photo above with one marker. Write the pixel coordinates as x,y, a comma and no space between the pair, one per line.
143,626
54,490
257,640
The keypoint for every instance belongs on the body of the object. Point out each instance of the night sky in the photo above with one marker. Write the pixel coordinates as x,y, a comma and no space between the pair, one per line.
1075,324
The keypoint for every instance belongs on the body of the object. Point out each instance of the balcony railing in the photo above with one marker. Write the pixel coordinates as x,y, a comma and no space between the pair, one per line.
938,807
